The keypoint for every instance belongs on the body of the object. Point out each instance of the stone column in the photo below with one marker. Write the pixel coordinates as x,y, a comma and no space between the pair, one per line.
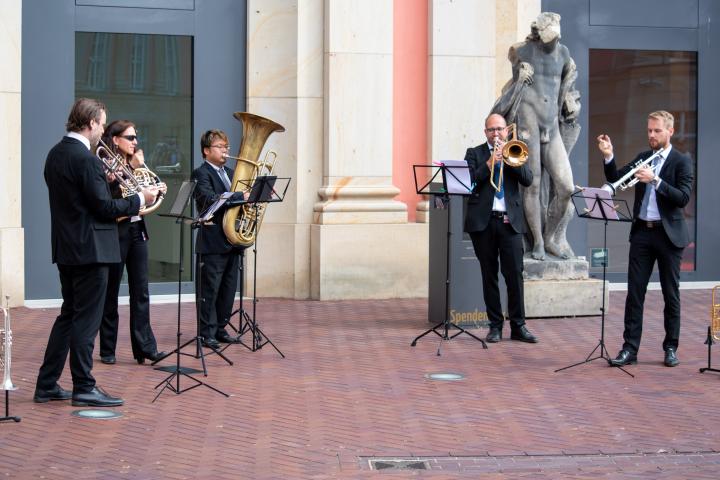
362,245
462,77
285,84
12,247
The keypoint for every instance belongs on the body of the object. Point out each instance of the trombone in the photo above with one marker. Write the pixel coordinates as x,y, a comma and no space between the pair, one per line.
514,152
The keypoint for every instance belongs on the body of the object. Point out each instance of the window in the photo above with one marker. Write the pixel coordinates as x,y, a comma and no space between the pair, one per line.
147,79
626,85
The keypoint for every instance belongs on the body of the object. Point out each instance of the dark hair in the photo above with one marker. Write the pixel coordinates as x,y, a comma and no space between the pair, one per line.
209,137
114,129
83,111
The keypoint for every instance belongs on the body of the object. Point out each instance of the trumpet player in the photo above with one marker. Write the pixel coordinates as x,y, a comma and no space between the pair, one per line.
84,240
495,220
658,232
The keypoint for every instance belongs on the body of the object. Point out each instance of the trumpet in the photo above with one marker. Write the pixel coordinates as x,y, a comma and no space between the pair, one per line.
514,152
6,347
629,180
131,181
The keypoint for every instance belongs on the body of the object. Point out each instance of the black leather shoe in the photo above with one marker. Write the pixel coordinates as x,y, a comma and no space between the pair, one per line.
523,334
494,335
57,393
211,343
224,337
108,359
671,359
150,356
624,357
95,398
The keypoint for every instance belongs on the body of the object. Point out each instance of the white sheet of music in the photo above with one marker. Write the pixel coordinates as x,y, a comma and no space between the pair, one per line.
215,206
597,198
457,176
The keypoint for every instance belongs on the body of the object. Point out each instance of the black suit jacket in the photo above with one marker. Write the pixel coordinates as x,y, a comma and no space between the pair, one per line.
211,238
672,195
82,211
480,202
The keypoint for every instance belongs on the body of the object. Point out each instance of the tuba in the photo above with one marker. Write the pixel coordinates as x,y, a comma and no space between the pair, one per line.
514,152
241,223
131,181
6,347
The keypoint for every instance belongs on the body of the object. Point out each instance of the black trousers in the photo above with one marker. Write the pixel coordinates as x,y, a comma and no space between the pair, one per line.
134,256
647,246
215,291
83,291
499,241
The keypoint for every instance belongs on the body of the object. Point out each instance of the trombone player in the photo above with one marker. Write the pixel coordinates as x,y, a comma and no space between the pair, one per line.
495,220
658,233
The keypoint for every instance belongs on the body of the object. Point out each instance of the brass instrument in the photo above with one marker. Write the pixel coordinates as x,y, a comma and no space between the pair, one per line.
131,181
629,180
715,314
515,153
241,223
6,347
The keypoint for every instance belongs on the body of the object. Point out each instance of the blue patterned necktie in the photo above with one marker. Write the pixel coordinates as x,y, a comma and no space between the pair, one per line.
224,177
648,189
496,178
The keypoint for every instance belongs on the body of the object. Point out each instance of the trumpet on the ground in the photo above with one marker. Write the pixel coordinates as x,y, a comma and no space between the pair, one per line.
629,180
514,152
6,347
131,181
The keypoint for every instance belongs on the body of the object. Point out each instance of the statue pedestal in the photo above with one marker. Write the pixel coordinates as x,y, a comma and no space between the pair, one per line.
562,288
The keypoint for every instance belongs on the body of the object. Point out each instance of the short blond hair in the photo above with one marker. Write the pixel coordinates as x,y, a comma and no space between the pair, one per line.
666,117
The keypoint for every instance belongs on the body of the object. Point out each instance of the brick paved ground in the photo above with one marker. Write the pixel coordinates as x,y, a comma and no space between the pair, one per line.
352,390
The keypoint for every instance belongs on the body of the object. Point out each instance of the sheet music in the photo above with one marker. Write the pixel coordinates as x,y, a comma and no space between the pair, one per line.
457,176
597,198
215,206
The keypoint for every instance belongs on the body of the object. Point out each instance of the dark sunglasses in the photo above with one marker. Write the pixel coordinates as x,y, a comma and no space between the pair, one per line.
129,137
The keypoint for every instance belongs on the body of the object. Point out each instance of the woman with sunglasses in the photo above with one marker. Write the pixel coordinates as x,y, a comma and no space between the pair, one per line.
121,136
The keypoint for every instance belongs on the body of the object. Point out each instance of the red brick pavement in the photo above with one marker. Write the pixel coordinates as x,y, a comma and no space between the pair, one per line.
352,390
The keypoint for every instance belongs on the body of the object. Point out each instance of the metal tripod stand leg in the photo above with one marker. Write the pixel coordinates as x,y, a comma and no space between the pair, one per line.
7,416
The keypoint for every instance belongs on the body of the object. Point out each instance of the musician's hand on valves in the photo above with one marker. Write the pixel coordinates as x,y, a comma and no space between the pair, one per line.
496,156
645,174
150,194
605,146
138,159
163,188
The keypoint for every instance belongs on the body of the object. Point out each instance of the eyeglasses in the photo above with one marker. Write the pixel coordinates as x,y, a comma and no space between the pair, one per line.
221,147
130,138
496,129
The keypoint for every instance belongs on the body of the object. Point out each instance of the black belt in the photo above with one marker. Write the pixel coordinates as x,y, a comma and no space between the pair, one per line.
651,223
497,214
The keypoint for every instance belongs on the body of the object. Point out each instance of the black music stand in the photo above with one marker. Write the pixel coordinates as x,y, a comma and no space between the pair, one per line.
263,190
455,180
598,204
176,212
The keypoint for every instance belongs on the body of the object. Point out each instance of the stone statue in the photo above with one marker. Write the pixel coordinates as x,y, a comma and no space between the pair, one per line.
541,99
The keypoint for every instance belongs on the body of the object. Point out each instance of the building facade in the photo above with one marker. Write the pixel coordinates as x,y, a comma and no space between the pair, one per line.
365,89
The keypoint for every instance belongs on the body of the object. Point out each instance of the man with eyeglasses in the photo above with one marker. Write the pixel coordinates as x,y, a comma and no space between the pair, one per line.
217,262
495,220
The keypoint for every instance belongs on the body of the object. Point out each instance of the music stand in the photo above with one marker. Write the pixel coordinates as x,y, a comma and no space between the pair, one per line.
265,189
176,371
455,177
598,204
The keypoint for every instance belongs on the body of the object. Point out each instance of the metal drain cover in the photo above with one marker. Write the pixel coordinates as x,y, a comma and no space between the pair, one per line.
445,376
397,464
97,414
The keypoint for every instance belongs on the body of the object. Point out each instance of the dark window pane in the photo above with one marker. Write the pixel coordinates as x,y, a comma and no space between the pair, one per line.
147,79
626,85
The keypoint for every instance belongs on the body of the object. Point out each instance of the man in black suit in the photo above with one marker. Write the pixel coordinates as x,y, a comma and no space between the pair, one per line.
217,261
658,233
84,240
495,221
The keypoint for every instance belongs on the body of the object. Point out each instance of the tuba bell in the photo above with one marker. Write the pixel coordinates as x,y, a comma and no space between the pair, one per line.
241,223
